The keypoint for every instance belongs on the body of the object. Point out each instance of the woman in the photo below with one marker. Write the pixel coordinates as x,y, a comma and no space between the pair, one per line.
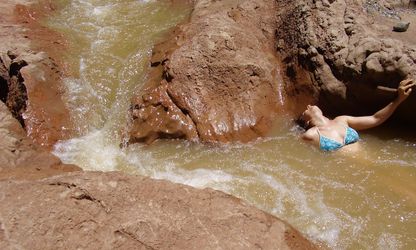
331,135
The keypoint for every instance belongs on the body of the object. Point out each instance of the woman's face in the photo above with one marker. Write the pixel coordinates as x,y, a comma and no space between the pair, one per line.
311,112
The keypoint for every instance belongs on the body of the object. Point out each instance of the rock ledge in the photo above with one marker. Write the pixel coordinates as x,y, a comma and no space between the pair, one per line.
94,210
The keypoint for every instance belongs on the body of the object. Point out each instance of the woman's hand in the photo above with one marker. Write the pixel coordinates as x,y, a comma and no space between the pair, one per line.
365,122
405,88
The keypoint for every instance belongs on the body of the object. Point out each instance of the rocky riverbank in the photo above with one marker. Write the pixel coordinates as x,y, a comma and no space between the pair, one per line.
93,210
29,92
222,76
20,157
44,207
217,78
31,71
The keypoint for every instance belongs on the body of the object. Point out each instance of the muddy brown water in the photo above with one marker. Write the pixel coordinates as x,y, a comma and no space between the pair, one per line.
365,200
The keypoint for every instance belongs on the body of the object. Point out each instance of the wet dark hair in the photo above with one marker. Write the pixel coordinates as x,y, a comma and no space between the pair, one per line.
301,122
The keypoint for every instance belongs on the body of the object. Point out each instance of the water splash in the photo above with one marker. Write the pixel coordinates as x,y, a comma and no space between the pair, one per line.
340,200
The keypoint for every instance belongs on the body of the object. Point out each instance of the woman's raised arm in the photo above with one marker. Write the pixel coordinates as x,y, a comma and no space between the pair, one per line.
366,122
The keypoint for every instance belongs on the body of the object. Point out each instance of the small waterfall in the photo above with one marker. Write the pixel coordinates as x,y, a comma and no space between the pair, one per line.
342,201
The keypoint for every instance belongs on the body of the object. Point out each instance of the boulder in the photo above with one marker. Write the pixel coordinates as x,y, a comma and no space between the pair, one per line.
31,72
401,26
215,79
20,158
94,210
118,211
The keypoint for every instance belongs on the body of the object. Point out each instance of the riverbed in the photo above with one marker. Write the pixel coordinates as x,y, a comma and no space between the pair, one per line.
360,201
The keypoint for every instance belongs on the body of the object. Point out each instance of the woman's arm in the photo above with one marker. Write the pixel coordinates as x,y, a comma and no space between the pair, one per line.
366,122
309,135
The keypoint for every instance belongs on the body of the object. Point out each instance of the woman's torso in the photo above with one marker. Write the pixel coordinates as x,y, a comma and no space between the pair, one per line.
334,136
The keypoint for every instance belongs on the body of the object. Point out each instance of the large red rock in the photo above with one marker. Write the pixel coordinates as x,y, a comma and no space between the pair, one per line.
108,210
20,158
340,52
92,210
215,79
31,72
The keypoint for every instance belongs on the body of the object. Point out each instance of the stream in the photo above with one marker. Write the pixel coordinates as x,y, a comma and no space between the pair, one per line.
365,201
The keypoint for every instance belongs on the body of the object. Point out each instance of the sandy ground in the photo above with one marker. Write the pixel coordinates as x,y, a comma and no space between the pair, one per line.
384,24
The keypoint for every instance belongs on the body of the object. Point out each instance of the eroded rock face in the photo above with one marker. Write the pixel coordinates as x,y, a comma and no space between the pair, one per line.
92,210
20,158
216,79
218,71
29,76
350,51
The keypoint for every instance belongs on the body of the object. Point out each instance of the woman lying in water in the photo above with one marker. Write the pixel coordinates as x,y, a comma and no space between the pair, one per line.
331,135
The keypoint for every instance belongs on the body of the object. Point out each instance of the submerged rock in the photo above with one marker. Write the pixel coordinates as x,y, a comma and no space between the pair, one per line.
92,210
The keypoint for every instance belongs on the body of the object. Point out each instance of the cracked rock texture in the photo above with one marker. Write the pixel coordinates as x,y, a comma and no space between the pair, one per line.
95,210
29,75
117,211
92,210
20,158
215,79
350,49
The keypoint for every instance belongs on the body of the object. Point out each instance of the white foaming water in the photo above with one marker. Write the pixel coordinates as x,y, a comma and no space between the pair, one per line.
101,11
389,242
199,178
336,200
78,91
280,89
93,150
301,206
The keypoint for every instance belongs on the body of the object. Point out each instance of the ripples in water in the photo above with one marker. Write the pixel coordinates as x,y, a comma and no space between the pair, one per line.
361,201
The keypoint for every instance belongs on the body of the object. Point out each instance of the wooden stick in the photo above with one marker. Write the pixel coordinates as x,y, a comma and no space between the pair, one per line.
387,89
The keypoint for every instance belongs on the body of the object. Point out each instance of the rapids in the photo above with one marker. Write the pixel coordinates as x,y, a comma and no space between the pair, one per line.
362,201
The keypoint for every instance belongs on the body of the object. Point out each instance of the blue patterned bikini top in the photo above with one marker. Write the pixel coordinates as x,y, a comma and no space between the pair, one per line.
327,144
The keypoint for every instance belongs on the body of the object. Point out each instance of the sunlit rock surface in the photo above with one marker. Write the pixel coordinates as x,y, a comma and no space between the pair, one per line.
215,79
20,158
93,210
30,71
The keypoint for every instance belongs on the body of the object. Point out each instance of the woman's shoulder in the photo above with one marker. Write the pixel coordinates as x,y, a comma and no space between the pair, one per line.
342,119
310,134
